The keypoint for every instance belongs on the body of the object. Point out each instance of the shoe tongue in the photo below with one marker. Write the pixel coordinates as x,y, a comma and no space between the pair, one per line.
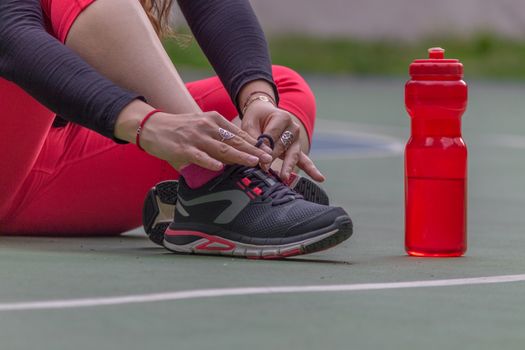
277,190
264,177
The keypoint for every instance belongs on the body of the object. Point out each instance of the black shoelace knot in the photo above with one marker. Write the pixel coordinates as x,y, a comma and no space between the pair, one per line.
269,183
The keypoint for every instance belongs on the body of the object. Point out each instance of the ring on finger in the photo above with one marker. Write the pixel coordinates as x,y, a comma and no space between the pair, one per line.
225,134
287,139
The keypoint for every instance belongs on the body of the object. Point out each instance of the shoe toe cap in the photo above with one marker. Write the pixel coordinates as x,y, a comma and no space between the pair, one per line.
323,219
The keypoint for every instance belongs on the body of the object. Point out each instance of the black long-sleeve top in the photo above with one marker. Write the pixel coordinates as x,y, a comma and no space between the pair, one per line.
230,36
227,31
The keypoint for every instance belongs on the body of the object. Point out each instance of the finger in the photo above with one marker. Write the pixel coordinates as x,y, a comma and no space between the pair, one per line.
229,126
265,148
243,134
308,166
276,125
240,144
291,139
202,159
291,158
229,155
266,166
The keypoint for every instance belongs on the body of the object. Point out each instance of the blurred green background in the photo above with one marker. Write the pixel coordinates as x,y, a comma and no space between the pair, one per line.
382,37
484,55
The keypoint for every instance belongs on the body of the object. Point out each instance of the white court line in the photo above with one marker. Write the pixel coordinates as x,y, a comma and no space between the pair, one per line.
376,146
213,293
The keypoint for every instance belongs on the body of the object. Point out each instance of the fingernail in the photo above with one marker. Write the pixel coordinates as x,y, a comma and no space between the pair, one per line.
253,159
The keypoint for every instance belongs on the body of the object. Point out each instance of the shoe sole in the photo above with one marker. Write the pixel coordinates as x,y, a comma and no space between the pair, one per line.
206,244
159,206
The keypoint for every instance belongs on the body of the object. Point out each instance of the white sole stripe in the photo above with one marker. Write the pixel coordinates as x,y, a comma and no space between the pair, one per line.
261,249
213,293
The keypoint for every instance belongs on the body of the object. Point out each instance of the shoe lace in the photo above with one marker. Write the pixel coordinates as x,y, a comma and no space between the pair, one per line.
269,182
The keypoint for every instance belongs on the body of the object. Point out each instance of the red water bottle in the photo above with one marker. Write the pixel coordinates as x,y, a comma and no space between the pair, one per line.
436,158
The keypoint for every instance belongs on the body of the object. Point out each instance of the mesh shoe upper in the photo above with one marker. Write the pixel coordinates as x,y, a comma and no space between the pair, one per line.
249,202
292,218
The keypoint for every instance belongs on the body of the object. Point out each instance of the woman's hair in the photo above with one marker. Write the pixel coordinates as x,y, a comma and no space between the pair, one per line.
159,12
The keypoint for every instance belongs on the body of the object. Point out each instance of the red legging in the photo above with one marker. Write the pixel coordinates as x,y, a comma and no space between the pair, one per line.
73,181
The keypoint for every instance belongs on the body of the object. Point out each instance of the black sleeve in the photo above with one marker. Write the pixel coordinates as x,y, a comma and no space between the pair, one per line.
53,74
232,39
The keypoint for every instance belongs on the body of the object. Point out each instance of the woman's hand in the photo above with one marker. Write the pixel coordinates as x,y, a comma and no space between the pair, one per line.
190,138
263,117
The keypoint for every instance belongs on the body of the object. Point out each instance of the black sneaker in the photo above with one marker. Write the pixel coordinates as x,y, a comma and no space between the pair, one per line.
159,206
159,209
247,212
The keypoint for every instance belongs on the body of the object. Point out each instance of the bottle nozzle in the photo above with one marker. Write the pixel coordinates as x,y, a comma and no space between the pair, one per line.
436,53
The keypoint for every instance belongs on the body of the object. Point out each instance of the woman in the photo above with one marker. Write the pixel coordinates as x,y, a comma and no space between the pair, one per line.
100,66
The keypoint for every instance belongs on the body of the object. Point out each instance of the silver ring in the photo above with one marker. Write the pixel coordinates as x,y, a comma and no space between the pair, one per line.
225,134
287,139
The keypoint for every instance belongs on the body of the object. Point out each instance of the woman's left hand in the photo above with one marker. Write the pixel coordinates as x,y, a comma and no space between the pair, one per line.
263,118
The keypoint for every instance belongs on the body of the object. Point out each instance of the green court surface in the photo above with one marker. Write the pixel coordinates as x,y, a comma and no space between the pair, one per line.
362,130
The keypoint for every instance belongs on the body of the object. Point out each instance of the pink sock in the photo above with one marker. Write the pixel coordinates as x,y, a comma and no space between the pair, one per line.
197,176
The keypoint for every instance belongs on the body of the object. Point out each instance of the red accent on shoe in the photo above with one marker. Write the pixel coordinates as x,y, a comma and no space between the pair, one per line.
240,185
220,243
292,252
257,191
246,181
250,195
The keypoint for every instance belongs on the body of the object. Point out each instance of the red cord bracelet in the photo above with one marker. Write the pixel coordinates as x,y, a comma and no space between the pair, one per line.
139,129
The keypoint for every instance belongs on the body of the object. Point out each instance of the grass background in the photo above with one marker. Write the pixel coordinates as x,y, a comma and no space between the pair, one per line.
484,55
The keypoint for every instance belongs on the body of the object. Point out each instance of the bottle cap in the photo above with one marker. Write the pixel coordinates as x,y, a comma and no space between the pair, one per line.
436,66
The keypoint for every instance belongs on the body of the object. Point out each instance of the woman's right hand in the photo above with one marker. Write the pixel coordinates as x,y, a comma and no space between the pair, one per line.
192,138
